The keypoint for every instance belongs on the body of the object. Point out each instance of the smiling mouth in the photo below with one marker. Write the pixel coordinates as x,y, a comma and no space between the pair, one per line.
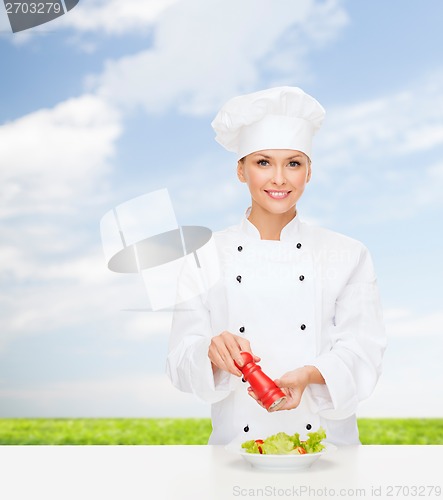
278,195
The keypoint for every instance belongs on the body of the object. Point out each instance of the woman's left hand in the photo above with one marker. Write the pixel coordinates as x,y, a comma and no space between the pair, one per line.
293,384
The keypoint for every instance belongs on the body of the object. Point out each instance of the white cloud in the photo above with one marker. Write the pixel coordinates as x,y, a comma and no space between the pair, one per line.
43,261
52,182
325,21
137,395
205,52
402,123
52,156
406,323
142,324
429,187
71,292
115,17
54,162
109,17
412,372
407,192
410,399
380,160
222,202
407,393
64,301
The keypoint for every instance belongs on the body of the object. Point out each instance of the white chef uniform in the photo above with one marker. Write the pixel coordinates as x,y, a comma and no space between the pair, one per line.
310,298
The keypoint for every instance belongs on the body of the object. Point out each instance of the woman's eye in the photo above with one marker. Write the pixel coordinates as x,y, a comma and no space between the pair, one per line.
294,164
263,163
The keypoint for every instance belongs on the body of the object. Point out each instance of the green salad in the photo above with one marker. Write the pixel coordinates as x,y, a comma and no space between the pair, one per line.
283,444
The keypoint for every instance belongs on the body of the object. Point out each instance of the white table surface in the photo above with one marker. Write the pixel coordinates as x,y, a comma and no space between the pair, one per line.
211,472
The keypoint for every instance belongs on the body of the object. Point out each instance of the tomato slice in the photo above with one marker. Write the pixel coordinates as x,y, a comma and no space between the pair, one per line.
259,442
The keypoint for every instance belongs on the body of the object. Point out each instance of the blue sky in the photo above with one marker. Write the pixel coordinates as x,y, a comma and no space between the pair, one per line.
115,99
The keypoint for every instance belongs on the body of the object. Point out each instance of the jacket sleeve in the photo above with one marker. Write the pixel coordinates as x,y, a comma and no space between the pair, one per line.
188,365
352,365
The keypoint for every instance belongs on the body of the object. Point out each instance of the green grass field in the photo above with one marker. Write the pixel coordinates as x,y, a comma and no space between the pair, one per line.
148,431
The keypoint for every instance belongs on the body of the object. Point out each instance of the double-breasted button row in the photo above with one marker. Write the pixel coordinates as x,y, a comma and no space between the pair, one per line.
238,278
242,328
246,428
301,278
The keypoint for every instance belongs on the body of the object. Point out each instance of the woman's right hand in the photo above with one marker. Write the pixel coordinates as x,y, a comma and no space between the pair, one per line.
225,348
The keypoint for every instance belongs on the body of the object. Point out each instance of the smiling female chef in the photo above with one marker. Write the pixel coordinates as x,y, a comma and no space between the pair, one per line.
302,299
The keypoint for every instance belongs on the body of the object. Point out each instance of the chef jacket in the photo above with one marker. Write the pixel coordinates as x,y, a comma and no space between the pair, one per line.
310,298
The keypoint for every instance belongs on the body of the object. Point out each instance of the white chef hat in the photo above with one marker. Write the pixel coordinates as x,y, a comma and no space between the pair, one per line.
276,118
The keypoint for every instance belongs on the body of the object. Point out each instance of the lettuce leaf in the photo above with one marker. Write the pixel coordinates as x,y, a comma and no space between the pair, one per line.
250,446
284,444
313,443
278,444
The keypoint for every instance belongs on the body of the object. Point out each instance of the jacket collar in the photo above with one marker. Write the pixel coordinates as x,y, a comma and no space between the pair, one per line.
290,232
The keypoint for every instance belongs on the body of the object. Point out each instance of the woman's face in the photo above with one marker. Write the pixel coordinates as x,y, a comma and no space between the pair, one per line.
276,178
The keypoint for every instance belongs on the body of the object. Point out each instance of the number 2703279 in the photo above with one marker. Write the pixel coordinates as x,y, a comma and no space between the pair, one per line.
32,8
413,491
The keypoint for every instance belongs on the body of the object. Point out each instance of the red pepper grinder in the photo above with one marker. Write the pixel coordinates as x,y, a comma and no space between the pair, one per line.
269,394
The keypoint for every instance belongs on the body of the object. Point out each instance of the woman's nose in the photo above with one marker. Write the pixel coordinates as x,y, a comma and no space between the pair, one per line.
278,176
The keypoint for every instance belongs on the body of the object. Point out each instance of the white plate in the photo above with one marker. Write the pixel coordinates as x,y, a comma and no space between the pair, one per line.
280,462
